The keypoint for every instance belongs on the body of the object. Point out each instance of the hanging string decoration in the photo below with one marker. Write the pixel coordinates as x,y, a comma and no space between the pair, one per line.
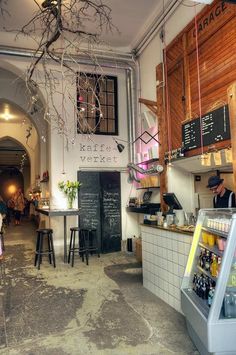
199,85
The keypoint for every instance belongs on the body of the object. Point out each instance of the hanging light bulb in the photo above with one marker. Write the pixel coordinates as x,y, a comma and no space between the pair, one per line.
34,99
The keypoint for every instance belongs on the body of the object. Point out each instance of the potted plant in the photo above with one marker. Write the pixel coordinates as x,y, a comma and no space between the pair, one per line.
70,189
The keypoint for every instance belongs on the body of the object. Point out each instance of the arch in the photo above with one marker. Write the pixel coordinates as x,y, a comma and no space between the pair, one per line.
18,143
13,90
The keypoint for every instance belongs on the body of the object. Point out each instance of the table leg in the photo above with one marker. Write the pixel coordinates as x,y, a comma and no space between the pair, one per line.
65,241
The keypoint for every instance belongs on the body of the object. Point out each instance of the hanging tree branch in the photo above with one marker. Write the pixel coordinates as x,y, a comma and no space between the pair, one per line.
64,35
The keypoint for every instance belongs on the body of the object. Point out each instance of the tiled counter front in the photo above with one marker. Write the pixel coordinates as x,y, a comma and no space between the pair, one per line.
164,255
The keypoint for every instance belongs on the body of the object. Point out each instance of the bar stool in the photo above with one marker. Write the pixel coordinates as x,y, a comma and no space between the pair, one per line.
73,247
44,234
88,243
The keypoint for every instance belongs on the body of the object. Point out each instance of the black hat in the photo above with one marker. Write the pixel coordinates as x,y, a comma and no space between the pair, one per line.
214,181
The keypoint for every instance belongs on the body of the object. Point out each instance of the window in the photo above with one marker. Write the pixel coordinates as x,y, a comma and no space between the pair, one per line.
97,104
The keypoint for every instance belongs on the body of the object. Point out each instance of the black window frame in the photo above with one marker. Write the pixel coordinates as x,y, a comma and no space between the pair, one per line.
100,78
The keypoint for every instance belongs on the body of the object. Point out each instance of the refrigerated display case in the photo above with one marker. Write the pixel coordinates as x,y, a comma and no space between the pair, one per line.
208,291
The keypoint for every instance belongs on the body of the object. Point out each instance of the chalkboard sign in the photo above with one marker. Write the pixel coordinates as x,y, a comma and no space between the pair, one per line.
89,202
111,212
215,128
99,200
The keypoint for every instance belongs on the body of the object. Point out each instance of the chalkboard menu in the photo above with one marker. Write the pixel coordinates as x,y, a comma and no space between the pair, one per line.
111,211
89,202
214,126
99,200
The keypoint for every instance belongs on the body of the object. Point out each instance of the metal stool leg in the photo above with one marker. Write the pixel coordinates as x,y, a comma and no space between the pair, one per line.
36,250
40,250
73,249
70,249
49,248
52,250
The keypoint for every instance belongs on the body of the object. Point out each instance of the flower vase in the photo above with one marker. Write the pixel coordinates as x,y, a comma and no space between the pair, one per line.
70,201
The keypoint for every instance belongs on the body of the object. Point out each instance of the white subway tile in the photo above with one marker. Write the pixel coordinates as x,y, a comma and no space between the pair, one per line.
170,255
175,257
182,260
181,247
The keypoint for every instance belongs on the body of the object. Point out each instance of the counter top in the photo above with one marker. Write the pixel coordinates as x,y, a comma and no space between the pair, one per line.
58,212
171,229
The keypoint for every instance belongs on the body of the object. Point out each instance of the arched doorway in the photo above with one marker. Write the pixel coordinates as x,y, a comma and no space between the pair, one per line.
25,121
14,168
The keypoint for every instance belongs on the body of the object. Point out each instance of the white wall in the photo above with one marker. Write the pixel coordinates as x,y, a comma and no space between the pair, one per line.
182,184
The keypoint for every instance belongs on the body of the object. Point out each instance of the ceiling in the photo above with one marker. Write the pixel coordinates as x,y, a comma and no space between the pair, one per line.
132,18
10,113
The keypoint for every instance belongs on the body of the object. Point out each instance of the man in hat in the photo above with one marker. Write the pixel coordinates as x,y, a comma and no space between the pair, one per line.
223,198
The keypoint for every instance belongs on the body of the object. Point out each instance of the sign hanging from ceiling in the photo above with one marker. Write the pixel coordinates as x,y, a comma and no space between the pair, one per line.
213,127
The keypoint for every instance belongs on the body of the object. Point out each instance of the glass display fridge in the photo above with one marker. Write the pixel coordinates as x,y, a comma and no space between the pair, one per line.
208,291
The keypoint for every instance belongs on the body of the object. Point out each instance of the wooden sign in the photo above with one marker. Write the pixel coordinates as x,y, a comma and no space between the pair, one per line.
210,22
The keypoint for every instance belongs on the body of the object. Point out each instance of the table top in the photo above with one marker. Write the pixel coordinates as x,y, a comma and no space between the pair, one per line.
58,212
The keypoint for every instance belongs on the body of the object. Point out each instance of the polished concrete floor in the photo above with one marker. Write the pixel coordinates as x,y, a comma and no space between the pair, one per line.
100,309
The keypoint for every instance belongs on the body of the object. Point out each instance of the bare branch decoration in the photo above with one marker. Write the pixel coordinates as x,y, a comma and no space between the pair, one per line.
65,34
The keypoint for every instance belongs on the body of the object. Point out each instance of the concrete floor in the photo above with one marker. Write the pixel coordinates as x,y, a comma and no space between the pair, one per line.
99,309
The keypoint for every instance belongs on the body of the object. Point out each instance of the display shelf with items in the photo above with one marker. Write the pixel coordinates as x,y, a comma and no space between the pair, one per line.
208,291
149,182
45,177
148,161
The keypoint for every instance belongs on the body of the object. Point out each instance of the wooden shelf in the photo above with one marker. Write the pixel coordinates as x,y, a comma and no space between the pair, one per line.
44,180
149,161
215,231
207,273
149,187
212,249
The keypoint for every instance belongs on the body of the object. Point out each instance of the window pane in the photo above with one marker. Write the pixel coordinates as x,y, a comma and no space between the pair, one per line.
110,85
104,111
110,112
102,98
110,99
111,126
103,126
96,92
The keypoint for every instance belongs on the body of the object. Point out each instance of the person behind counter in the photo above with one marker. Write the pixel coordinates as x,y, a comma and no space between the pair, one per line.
223,197
19,205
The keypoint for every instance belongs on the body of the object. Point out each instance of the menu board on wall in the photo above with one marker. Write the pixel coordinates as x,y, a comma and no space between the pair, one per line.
213,127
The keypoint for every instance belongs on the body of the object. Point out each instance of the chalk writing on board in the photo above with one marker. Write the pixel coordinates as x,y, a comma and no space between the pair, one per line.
111,203
211,128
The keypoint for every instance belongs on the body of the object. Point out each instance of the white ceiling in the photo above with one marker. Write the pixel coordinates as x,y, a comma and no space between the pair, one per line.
132,18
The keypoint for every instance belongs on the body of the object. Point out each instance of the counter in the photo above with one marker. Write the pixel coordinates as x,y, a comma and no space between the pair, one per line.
164,255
